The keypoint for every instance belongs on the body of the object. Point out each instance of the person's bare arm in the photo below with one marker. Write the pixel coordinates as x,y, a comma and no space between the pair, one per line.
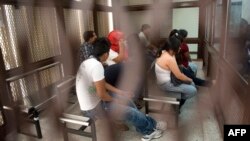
117,91
121,54
112,88
176,71
101,90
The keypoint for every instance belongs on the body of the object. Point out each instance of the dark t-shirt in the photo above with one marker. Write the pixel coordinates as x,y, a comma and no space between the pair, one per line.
112,74
184,49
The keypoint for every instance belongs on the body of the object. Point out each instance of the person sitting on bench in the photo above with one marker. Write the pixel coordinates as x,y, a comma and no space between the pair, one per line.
93,97
166,63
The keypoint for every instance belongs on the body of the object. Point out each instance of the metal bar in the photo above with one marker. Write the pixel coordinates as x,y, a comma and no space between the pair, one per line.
170,98
30,67
65,82
74,121
38,127
93,130
76,117
65,133
162,101
31,72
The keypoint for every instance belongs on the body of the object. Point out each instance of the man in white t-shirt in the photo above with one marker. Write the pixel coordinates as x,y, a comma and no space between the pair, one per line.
92,94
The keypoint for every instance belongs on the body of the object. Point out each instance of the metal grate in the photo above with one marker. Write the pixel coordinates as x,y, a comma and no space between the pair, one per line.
103,24
27,91
8,39
22,90
37,26
42,32
88,20
76,22
50,76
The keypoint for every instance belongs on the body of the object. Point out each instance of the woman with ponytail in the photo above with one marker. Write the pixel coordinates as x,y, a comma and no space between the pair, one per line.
166,64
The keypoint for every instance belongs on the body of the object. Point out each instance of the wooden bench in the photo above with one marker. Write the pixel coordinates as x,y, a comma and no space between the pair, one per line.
72,115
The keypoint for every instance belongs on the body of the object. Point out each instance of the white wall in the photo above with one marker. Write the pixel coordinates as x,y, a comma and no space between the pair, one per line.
186,18
246,10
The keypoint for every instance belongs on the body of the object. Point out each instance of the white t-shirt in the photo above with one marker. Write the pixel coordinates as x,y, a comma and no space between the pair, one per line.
144,39
112,55
90,71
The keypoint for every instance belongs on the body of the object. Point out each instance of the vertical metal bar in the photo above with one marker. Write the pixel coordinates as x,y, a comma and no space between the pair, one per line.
146,95
116,12
93,130
177,111
38,127
201,30
65,133
95,18
64,44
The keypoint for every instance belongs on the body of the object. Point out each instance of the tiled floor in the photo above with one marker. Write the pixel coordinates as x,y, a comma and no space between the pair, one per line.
196,123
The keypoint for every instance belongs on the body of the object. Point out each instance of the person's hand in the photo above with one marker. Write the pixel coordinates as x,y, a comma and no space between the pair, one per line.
121,43
190,80
182,66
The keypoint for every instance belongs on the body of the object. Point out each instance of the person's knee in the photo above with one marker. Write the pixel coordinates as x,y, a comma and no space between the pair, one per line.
193,67
192,91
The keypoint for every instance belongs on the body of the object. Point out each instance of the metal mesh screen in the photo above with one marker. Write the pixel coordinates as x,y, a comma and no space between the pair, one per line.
88,20
26,91
37,26
103,24
42,33
74,23
23,89
50,76
77,21
8,38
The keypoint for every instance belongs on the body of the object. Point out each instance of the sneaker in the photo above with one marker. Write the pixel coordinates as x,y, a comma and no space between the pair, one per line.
154,135
161,125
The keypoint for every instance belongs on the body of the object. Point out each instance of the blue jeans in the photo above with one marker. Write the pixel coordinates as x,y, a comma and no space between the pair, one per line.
197,81
143,124
186,90
194,67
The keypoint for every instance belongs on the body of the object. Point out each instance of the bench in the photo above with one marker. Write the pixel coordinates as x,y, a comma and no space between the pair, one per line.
38,94
72,115
155,94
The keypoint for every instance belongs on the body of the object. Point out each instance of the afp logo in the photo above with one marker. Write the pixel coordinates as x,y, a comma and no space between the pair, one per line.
236,132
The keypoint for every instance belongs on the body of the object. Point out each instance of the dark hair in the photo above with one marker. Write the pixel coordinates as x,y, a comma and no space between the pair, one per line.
173,32
172,43
145,26
87,35
101,46
183,33
176,33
